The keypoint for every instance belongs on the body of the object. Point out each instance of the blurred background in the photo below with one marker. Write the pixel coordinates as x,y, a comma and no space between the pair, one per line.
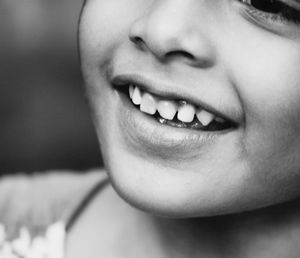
44,120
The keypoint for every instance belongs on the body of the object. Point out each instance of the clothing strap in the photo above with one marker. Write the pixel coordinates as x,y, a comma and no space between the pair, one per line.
87,199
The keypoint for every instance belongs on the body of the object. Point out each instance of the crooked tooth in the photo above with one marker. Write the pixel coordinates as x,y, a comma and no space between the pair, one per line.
137,96
205,117
186,113
148,104
131,90
167,109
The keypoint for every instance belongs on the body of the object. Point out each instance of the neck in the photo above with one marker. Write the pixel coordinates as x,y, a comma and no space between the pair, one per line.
270,232
113,228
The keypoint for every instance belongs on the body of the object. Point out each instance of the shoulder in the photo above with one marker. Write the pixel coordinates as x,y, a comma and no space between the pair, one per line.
38,200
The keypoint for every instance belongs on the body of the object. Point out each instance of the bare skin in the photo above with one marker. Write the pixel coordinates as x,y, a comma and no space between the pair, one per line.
237,60
112,228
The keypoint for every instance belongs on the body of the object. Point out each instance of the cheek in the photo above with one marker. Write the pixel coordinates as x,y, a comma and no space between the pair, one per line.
266,73
268,79
270,89
105,24
101,27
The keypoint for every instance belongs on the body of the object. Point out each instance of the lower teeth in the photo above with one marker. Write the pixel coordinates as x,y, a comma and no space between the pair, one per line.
195,124
179,124
172,123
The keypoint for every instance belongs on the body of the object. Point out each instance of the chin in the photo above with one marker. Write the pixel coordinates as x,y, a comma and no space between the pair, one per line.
172,192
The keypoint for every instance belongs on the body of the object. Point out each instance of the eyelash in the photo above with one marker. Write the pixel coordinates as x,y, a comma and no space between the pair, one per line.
282,13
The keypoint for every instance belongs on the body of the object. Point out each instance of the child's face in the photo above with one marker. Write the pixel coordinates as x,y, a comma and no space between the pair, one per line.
234,61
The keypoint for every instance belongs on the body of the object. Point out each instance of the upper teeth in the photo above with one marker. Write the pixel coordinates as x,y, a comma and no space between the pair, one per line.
136,96
186,113
205,117
148,104
168,108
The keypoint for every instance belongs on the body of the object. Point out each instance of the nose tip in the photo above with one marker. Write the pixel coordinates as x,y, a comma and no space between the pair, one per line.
172,35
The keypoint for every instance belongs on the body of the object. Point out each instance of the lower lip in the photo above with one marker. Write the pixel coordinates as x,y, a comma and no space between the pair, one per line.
146,137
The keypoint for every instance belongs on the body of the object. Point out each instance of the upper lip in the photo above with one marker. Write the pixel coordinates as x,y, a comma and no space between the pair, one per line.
172,92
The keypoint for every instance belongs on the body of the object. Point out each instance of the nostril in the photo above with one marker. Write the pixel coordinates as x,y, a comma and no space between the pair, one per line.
180,53
136,40
190,58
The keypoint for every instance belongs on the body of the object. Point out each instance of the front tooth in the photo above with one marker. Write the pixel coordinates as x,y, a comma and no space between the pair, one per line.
186,113
148,104
131,90
137,96
205,117
167,109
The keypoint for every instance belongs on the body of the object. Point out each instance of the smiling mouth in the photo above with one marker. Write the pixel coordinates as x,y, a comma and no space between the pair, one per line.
174,112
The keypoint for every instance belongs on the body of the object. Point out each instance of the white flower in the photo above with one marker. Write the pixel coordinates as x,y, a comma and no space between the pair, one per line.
55,236
51,245
38,248
21,245
7,252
